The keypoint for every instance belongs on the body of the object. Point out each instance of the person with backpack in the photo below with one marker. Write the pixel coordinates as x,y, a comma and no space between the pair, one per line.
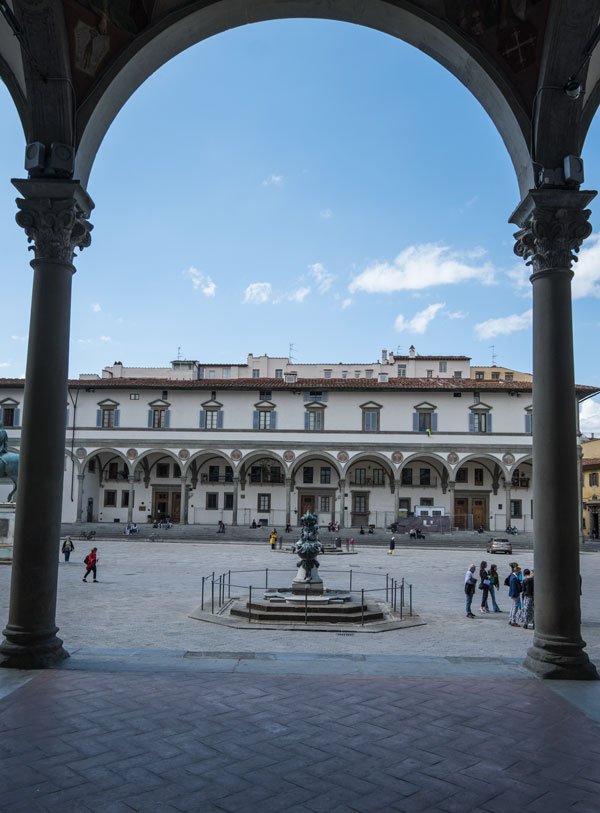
514,593
470,582
91,562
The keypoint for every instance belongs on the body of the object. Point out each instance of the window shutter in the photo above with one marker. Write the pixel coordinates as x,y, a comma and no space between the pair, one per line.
149,419
255,419
324,396
202,419
471,422
489,422
167,418
18,417
117,417
306,395
415,421
434,421
528,423
273,419
98,417
306,419
220,419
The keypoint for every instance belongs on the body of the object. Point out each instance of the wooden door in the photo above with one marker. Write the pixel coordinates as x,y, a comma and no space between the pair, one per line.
480,519
176,506
307,503
160,507
461,509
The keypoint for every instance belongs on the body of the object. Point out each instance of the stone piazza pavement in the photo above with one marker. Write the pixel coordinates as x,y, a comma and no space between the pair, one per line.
156,711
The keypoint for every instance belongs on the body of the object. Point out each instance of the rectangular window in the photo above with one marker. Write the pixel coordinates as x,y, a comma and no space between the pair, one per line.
429,373
324,505
344,373
212,373
370,420
325,475
176,470
264,395
228,501
407,477
316,395
480,421
158,418
424,421
495,376
594,478
457,374
516,509
327,373
164,395
359,503
276,475
462,475
478,477
291,377
162,470
378,477
113,471
212,418
479,376
508,376
264,419
108,418
213,474
360,477
443,366
255,474
278,373
428,501
228,474
212,501
402,371
314,420
424,477
110,499
226,372
124,499
263,503
368,373
255,373
134,396
307,474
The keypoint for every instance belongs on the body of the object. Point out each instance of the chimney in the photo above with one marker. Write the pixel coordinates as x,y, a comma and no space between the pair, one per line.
411,351
384,356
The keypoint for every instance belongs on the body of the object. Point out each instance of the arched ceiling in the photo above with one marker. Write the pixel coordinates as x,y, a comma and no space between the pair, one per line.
71,65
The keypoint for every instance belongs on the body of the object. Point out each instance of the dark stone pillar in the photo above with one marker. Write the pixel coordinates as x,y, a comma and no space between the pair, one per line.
554,223
53,214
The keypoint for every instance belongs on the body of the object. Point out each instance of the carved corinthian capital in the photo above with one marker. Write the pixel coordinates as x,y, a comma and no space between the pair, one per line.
554,224
54,217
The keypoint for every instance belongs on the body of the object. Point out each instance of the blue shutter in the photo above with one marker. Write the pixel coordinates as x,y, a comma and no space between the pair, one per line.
220,419
202,419
98,417
324,396
255,419
415,421
167,418
273,420
434,421
528,423
149,419
117,417
471,422
18,417
306,419
306,395
489,423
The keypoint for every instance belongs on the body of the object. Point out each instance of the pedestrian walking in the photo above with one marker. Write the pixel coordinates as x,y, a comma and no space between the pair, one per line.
484,586
514,592
392,546
91,563
273,539
494,584
527,608
470,582
67,548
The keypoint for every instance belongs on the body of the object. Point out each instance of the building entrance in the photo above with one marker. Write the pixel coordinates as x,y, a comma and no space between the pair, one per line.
166,503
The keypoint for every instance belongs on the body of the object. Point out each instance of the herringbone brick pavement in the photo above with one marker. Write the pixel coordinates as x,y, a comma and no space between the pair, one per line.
116,741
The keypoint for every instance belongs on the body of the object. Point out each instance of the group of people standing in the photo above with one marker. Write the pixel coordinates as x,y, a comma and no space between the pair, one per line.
520,592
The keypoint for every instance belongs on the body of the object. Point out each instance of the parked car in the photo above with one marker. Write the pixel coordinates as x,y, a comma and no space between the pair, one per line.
499,545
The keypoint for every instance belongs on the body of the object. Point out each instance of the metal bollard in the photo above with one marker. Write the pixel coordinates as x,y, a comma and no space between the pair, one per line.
266,578
387,579
347,546
229,584
402,591
350,579
306,605
410,599
401,612
212,594
202,599
362,607
250,604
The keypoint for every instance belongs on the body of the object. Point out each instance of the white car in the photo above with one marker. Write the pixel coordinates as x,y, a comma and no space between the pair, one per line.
499,545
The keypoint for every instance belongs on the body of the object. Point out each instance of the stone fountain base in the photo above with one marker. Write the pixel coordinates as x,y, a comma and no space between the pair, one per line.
299,607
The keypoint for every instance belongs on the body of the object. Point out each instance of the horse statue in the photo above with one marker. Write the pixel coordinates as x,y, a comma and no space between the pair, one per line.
9,470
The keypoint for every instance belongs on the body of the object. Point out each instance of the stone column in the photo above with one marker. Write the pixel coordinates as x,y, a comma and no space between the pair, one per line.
553,224
183,509
342,485
53,214
236,488
131,499
288,501
397,484
507,497
80,479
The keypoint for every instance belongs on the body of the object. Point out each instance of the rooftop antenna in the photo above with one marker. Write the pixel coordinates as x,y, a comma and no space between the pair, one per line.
493,349
179,354
291,349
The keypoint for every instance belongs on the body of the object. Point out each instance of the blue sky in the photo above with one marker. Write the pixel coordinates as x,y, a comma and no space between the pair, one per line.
298,182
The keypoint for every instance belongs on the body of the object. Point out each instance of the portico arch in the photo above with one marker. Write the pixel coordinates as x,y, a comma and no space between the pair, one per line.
316,484
209,483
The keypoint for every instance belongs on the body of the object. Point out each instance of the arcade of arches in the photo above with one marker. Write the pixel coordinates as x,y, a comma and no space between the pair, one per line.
506,54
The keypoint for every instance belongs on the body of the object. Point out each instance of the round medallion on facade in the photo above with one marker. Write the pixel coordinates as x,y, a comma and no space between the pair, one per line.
132,454
397,457
288,456
236,455
508,458
81,453
452,458
183,454
342,457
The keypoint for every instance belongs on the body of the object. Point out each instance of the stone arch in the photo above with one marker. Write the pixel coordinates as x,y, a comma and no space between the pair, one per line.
375,456
310,455
190,25
488,459
444,470
198,458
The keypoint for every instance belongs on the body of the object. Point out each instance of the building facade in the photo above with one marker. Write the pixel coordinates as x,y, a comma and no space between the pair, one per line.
590,477
447,451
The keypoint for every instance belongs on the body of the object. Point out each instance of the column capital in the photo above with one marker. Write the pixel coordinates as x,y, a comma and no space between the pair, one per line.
53,214
553,225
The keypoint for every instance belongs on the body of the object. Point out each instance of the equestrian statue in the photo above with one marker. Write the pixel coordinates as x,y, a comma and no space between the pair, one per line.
9,463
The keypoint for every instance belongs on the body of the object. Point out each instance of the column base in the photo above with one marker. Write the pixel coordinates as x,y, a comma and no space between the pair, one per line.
559,659
31,651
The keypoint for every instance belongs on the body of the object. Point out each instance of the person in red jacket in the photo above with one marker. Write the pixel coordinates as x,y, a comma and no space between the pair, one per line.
91,560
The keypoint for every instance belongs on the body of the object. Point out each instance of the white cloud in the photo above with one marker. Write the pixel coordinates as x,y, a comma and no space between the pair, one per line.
273,180
346,303
105,339
19,338
589,417
519,277
322,277
456,314
5,364
201,282
299,295
420,321
586,281
504,325
326,214
84,341
422,266
258,292
96,307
